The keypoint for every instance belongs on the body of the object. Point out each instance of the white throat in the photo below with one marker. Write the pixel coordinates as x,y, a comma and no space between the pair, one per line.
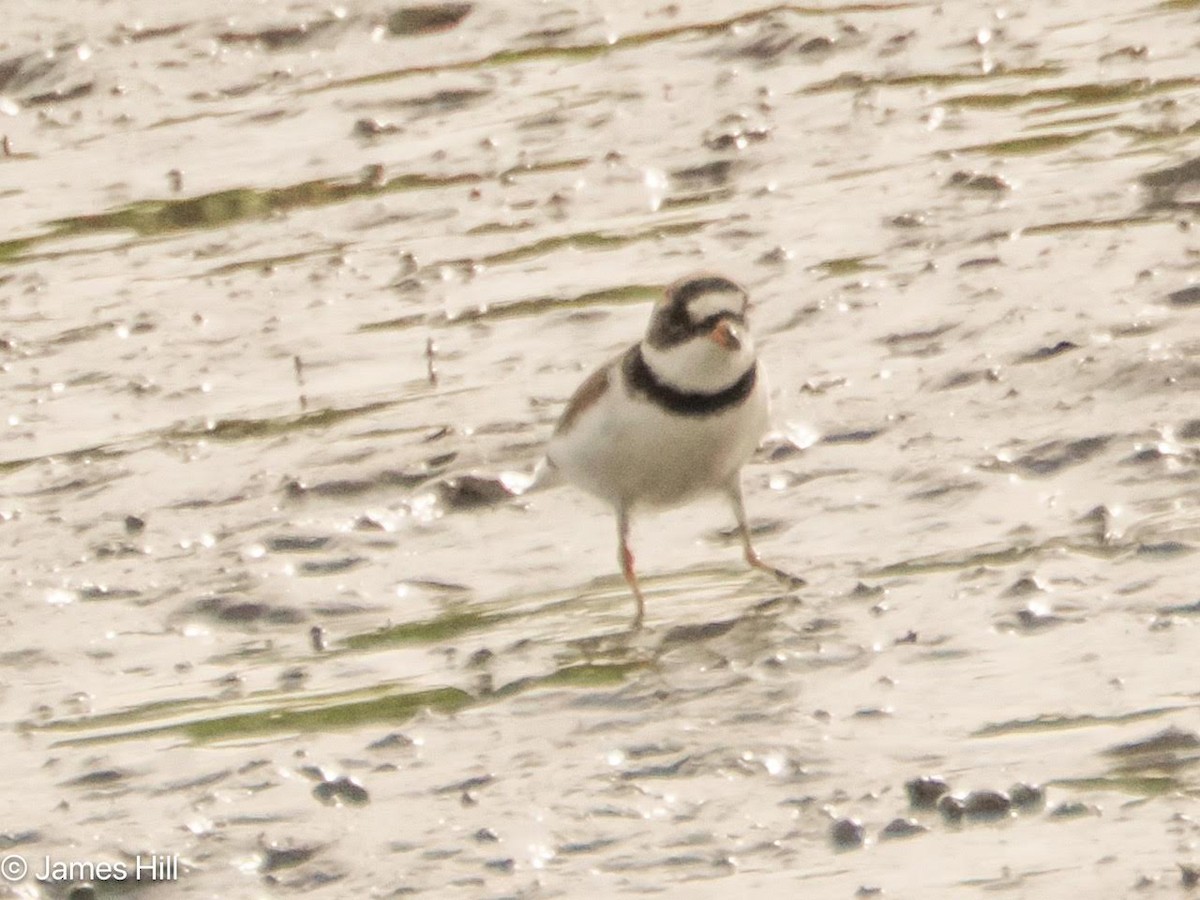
699,366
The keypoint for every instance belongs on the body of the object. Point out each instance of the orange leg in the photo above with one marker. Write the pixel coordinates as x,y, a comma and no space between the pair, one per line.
739,511
625,557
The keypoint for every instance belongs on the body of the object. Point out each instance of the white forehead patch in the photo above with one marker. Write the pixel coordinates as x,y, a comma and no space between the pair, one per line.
713,303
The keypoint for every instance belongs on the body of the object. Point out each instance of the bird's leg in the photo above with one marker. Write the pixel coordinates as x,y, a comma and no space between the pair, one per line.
734,492
625,557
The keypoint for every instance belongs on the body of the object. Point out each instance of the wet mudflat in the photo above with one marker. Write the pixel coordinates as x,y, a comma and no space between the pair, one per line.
285,290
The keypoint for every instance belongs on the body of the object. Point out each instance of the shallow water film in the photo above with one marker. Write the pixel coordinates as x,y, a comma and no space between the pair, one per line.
288,291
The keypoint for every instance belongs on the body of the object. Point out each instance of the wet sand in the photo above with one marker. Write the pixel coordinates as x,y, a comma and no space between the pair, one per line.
286,291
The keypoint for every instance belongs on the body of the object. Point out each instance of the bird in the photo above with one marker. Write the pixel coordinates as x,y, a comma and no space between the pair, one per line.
673,417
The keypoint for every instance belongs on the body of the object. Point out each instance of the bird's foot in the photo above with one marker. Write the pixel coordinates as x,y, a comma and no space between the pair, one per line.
786,578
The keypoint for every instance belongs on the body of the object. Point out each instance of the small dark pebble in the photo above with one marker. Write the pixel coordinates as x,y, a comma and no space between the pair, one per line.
776,256
117,550
104,592
331,566
293,676
1024,586
1169,739
869,890
1032,618
981,262
1053,456
1132,51
98,778
847,834
858,436
276,38
780,448
342,790
480,657
251,612
818,44
487,836
862,591
1185,609
275,858
372,127
418,474
468,784
900,828
1174,176
664,771
135,524
653,748
1146,455
1188,296
342,487
295,543
373,175
1164,549
1049,352
702,631
1073,809
472,491
873,712
440,853
961,379
1190,430
187,784
1026,797
821,386
979,181
59,95
770,45
316,636
735,133
711,174
1189,875
227,609
925,791
393,741
951,808
10,839
427,18
983,805
586,846
508,864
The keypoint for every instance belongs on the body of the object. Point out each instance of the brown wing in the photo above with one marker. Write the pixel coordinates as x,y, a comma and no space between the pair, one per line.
586,395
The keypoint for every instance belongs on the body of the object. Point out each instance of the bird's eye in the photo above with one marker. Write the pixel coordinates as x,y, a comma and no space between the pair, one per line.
711,322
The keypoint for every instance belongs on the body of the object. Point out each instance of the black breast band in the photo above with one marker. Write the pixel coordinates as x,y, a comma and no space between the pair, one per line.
642,380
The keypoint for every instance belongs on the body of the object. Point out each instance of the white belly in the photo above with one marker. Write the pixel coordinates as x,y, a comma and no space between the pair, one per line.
630,452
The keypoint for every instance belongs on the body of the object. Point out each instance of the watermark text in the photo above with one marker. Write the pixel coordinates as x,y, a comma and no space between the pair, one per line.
148,867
